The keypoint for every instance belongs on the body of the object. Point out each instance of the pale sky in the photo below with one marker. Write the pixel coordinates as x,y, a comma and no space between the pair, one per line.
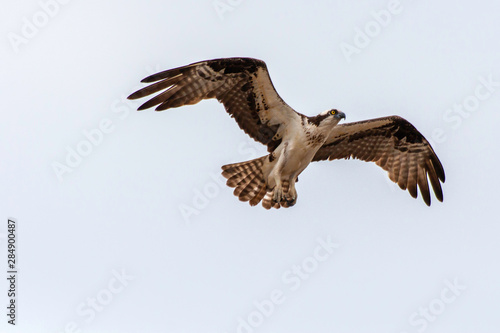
124,223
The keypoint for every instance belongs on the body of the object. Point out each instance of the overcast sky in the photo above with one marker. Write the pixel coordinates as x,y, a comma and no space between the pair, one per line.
123,220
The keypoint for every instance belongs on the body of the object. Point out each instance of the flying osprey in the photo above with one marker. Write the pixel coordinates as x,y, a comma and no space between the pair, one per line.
293,140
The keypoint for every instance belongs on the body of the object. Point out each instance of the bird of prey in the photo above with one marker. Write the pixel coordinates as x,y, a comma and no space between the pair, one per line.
293,140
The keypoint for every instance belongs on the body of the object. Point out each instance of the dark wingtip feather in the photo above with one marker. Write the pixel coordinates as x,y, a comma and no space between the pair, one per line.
147,79
436,163
167,73
151,78
161,75
426,195
423,184
439,168
162,107
152,102
155,87
413,191
143,107
135,95
438,191
434,178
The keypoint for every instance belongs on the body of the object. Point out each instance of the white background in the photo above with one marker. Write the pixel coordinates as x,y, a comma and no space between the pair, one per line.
119,210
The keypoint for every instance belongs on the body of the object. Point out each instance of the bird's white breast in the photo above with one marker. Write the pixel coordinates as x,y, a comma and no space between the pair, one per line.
300,144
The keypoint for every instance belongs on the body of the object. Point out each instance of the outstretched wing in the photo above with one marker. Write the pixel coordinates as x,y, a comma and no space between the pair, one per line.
393,144
243,85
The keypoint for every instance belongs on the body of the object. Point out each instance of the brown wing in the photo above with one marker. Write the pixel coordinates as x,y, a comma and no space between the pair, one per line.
393,144
243,85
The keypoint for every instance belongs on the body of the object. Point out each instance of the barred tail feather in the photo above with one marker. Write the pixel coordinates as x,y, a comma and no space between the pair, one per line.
248,179
268,202
250,184
258,197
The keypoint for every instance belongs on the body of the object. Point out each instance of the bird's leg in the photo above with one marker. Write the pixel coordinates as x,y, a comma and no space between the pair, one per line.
278,191
277,173
291,195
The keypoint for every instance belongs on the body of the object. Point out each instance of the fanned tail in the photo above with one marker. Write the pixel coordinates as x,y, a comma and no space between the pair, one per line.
248,180
250,185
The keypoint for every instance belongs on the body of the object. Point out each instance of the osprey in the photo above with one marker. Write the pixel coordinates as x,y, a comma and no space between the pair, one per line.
293,140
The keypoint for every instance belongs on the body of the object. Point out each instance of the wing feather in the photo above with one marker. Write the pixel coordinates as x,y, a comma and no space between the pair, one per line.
163,84
412,175
242,85
403,171
393,144
158,100
434,178
424,186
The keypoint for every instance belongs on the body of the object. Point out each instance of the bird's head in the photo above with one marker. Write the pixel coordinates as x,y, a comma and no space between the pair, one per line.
336,114
328,118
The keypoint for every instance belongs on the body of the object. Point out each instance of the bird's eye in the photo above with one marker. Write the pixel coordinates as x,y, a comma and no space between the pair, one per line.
333,112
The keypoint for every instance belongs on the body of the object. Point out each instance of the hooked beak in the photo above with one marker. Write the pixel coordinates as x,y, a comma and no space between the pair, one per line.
340,115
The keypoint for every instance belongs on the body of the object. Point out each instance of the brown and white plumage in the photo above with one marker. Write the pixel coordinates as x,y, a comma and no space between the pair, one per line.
393,144
293,140
242,85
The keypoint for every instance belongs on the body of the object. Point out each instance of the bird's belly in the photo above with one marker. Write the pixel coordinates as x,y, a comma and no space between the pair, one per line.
298,157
